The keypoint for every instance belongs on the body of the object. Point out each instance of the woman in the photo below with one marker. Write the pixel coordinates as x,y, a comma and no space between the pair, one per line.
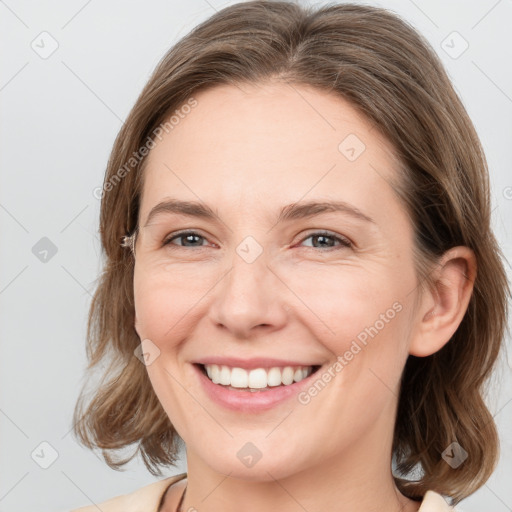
308,292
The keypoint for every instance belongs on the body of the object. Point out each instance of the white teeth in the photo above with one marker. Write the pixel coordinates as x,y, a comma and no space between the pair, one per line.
258,378
274,377
287,377
239,378
225,376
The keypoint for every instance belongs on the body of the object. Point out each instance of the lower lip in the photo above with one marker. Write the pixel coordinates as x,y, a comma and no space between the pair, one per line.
249,401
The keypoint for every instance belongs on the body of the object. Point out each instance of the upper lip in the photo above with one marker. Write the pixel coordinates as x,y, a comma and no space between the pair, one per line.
255,362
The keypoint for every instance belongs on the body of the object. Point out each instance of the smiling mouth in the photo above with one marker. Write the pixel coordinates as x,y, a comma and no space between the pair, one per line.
256,379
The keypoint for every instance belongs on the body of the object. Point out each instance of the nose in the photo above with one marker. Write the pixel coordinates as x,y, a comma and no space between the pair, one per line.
249,298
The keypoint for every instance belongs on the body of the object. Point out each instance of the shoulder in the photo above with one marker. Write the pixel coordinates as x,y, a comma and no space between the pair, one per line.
145,499
434,502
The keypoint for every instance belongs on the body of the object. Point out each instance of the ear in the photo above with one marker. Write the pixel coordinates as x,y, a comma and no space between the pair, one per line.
441,309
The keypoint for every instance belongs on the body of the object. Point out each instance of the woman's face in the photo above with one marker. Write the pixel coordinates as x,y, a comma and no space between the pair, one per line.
272,281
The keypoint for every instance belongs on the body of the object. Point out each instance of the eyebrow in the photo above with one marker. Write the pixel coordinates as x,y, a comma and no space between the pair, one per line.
292,211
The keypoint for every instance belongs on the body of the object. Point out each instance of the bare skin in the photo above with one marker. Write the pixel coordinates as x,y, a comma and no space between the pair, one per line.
247,152
173,496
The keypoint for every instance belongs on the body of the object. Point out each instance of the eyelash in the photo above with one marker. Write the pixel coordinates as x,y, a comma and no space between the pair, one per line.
344,242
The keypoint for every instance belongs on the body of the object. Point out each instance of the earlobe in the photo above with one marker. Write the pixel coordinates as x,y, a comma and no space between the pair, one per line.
443,307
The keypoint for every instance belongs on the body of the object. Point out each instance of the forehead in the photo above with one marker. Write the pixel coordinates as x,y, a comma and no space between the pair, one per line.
280,118
257,145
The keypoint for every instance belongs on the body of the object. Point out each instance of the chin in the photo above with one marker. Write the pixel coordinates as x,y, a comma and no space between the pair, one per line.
244,461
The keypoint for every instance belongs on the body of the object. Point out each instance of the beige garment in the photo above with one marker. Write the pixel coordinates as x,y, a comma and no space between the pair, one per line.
148,498
145,499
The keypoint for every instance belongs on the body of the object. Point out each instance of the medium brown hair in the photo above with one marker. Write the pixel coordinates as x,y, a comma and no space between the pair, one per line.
389,72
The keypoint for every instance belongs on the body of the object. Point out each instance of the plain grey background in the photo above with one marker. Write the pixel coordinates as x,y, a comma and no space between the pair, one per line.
71,72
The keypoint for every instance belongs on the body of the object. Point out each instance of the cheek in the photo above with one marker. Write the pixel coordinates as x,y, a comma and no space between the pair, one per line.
360,314
166,301
341,301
